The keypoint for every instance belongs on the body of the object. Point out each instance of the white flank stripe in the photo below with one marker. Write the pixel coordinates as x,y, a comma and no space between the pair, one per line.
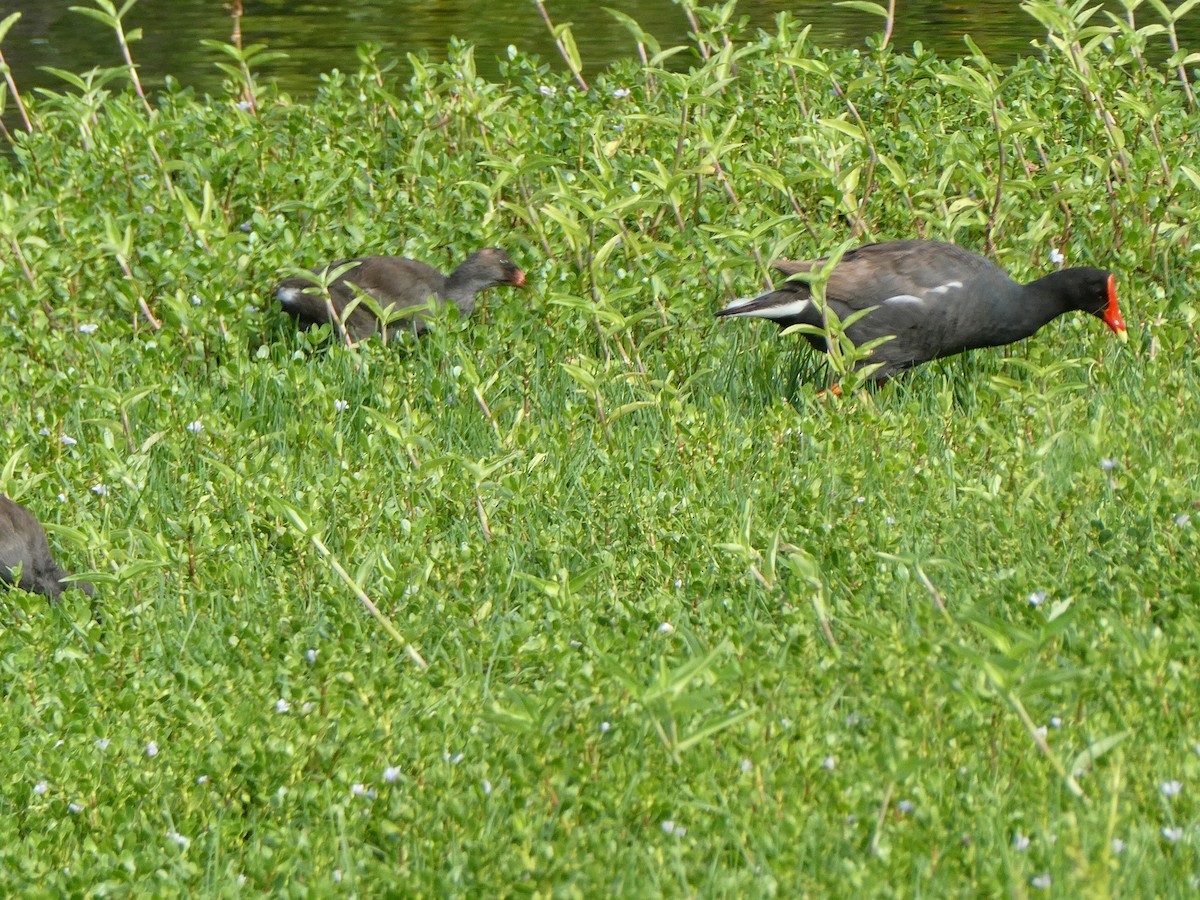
786,311
905,298
945,288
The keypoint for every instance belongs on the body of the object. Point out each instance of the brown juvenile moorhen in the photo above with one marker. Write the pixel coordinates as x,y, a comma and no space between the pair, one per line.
23,544
934,300
398,282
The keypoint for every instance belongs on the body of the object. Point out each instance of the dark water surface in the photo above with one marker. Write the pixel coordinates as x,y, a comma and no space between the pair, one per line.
319,36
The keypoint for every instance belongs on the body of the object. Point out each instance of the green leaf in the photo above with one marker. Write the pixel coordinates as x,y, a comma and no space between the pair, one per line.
874,9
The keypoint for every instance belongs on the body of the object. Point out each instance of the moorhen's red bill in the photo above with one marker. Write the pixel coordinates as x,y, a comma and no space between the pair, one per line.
933,299
23,545
397,282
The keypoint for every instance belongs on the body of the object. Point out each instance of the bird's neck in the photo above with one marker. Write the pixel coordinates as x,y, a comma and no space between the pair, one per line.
1052,295
462,286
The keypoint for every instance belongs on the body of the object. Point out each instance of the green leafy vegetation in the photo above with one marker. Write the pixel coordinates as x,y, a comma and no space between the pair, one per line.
591,593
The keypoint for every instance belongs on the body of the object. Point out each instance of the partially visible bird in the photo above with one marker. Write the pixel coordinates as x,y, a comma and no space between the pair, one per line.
23,545
397,282
932,300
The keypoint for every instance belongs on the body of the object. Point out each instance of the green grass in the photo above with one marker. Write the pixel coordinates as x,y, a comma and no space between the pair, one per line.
688,628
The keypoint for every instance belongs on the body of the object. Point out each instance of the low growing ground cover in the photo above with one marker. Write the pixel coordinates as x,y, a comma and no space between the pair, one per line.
652,617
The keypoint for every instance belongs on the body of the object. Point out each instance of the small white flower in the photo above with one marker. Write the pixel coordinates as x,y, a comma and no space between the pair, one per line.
604,727
785,722
747,766
888,520
621,93
666,628
669,826
547,90
308,707
1170,788
195,427
100,490
1056,256
340,405
59,743
40,788
860,500
196,301
1117,845
102,743
358,789
44,432
1020,842
678,582
1037,598
62,498
202,779
68,441
829,764
905,806
634,186
151,749
453,760
1172,834
1041,731
391,774
75,808
88,328
1055,722
282,706
1108,464
1041,882
311,656
487,787
1182,519
245,105
179,838
242,879
337,876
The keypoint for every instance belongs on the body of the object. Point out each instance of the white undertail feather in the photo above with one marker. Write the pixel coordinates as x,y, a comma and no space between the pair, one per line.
288,295
783,311
738,304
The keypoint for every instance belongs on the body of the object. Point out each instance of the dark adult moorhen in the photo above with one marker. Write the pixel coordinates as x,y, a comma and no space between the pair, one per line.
397,282
23,544
934,300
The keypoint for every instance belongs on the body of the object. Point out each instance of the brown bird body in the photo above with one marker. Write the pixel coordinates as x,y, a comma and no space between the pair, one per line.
396,282
23,545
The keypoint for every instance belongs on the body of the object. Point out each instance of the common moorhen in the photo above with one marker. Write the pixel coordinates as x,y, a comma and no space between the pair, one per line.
23,544
397,282
933,299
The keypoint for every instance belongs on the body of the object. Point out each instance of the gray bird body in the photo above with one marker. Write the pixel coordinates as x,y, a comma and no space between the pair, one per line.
931,300
23,545
396,282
